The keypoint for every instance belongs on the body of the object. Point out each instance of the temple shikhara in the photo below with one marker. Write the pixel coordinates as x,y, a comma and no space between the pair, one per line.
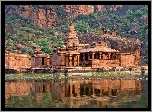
73,55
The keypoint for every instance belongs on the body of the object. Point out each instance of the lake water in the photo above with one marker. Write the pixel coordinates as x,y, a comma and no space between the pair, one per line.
77,93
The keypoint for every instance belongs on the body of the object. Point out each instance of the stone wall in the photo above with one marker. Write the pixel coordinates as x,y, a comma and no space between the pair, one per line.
127,60
17,61
105,63
56,60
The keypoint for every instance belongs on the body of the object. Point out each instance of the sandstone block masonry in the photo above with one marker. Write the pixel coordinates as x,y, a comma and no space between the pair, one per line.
17,61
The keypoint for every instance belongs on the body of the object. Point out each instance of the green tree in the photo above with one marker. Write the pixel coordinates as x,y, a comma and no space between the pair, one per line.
129,12
26,51
59,9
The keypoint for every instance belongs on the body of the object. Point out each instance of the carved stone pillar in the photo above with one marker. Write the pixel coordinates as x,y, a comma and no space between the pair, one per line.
88,56
48,61
78,60
93,93
41,88
83,57
96,56
93,55
63,58
84,90
109,91
116,56
70,60
75,60
67,61
71,90
78,92
89,91
100,55
109,55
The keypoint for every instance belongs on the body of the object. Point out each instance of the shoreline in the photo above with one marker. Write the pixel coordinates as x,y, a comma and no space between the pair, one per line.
106,75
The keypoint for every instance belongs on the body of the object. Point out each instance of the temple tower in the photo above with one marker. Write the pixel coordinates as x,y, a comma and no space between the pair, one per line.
72,39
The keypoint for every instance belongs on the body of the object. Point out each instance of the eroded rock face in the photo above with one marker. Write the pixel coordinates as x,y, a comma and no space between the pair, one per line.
106,8
43,15
47,15
74,10
135,27
9,29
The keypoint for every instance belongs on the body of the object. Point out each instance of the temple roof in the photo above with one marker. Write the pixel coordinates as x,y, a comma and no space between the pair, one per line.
72,52
97,49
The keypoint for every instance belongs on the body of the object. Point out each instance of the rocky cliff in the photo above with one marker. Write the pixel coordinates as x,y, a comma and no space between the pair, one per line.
47,16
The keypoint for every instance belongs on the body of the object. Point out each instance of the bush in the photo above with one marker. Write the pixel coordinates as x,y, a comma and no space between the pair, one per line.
22,9
51,32
12,23
59,9
26,51
39,33
46,49
44,45
13,37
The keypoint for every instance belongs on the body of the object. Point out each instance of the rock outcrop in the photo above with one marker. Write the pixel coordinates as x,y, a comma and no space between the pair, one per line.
47,16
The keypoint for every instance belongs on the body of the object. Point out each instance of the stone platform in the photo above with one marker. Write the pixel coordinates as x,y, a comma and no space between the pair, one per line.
73,70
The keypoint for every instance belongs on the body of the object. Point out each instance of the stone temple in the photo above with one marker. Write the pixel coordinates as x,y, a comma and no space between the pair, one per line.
96,55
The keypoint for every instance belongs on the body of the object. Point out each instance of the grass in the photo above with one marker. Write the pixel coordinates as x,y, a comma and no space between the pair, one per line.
51,76
106,74
34,76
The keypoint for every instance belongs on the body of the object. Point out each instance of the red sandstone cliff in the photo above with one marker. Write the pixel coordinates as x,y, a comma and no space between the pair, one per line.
47,15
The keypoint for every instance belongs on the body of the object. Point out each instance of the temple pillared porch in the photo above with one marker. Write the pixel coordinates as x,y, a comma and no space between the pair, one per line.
99,59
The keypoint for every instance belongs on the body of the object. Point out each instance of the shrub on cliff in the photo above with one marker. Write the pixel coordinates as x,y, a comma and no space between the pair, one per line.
26,51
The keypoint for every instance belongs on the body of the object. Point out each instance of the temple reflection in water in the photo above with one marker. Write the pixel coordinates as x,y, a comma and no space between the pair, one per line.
78,93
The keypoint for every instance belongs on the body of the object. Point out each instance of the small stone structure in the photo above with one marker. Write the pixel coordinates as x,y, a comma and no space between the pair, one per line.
39,59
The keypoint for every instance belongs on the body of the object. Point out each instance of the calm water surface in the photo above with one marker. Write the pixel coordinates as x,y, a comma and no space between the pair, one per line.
77,93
